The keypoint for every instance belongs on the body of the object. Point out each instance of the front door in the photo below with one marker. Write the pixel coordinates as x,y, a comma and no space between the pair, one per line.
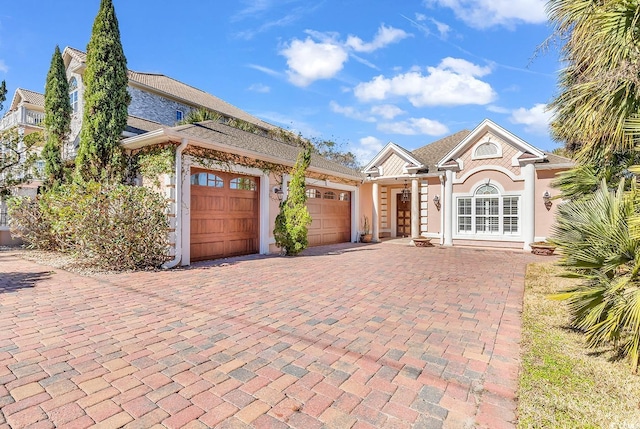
403,214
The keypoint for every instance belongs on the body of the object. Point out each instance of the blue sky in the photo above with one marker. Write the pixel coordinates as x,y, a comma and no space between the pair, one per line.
358,72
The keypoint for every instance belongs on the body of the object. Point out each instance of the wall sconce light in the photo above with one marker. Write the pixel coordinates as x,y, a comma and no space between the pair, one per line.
436,201
278,191
547,200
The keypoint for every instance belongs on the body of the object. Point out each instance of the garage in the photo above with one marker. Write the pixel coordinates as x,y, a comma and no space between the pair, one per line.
330,210
225,210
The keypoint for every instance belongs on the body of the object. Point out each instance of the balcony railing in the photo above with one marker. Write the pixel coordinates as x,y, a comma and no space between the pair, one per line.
22,116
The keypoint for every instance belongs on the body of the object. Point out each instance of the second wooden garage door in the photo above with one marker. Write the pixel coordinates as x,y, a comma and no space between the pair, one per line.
330,210
224,215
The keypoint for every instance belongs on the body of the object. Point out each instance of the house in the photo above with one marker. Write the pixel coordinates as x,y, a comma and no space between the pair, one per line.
484,187
25,114
231,181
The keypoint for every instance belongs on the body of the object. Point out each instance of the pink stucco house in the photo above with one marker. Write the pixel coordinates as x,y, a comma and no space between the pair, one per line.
484,187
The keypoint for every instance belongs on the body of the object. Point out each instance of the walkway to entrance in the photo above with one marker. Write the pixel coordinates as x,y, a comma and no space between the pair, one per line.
347,336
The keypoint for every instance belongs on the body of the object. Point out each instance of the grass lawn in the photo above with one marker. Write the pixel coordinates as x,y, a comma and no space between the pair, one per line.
563,384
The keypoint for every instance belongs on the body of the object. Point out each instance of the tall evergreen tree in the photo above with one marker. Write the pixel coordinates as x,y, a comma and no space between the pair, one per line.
106,101
57,120
3,93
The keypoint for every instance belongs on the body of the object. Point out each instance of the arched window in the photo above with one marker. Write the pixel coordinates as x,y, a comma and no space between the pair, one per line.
329,195
487,190
313,193
73,94
344,196
207,179
487,150
488,212
243,183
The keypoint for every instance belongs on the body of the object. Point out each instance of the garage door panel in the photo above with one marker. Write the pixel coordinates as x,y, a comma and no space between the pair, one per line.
207,226
224,221
331,218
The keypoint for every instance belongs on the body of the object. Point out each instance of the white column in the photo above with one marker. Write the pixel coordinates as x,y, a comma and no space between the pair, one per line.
415,208
265,189
374,214
528,207
448,206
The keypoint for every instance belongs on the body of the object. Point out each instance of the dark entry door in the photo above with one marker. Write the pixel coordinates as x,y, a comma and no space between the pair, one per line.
403,213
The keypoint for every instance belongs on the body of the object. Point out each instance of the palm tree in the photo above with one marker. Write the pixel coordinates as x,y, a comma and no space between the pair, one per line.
596,116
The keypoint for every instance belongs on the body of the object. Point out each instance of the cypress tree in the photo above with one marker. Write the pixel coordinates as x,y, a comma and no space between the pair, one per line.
106,100
3,93
293,220
57,120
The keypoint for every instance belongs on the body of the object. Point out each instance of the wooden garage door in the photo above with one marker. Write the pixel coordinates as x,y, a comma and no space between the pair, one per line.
330,211
224,215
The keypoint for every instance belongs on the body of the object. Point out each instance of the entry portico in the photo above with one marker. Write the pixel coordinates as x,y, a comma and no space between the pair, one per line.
483,187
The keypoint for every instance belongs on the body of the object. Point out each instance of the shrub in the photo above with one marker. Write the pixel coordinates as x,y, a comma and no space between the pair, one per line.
118,227
290,230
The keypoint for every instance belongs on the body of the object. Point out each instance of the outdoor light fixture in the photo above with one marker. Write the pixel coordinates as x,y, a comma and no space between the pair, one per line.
406,193
547,200
436,201
278,191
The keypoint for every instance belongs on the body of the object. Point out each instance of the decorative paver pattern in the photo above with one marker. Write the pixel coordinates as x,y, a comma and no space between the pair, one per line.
347,336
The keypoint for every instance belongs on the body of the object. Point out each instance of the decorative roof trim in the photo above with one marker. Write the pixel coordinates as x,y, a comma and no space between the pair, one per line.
386,151
483,127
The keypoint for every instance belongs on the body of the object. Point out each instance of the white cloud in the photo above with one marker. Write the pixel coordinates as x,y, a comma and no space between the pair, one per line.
497,109
387,111
309,61
259,87
265,70
488,13
452,83
368,148
536,119
414,126
4,68
385,36
350,112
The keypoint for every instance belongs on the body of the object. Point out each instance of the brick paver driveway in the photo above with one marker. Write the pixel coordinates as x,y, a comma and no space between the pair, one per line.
353,336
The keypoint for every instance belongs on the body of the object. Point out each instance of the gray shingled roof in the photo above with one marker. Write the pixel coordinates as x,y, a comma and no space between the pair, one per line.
553,159
216,132
432,153
182,91
139,125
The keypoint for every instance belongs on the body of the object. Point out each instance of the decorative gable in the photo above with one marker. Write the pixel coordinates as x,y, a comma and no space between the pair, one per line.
491,144
392,161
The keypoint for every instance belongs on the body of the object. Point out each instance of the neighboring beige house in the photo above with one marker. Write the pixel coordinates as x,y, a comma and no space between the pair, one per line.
26,114
484,187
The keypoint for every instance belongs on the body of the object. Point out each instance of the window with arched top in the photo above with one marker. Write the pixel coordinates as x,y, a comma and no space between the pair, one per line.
243,184
344,196
313,193
488,212
329,195
73,84
487,190
207,179
487,150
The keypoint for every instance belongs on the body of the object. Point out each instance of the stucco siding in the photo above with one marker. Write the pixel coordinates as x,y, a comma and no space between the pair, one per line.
545,218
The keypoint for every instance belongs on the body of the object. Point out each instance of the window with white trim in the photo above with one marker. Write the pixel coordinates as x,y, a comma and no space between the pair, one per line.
487,150
73,94
179,115
488,213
